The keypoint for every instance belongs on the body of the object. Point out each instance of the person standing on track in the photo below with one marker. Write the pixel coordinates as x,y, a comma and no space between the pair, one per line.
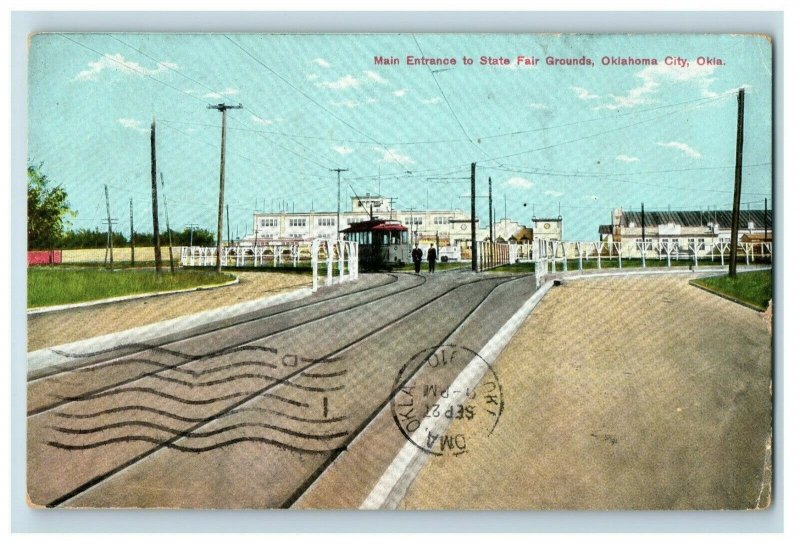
416,256
431,259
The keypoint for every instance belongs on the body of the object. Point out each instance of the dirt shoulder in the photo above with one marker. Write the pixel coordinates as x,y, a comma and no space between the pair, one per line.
56,328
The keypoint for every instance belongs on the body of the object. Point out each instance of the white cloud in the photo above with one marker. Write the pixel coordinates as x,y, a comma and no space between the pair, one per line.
400,92
228,91
551,192
371,100
519,182
654,76
627,158
118,63
538,106
711,94
312,77
342,150
322,62
683,147
133,124
344,82
584,94
375,76
346,104
348,81
261,120
434,100
391,155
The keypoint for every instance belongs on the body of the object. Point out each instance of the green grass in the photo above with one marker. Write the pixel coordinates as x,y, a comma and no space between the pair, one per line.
751,288
49,286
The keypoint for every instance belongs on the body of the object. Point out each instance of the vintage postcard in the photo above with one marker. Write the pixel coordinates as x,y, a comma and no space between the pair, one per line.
400,271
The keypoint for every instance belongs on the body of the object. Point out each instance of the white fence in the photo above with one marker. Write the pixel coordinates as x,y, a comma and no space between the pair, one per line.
332,253
556,254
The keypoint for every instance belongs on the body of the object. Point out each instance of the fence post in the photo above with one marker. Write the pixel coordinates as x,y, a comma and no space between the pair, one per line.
329,262
314,264
340,247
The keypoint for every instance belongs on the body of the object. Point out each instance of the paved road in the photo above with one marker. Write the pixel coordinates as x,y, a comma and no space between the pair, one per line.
271,409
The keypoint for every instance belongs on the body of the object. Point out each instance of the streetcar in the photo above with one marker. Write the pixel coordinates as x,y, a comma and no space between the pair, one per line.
382,243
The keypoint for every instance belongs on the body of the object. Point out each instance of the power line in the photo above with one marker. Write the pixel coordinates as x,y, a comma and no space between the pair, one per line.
127,67
311,99
449,106
214,92
532,170
594,135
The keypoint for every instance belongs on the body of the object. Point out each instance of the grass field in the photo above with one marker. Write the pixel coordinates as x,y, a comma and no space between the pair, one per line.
752,288
49,286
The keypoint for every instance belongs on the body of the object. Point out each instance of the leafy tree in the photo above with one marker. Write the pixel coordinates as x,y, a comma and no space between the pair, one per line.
48,210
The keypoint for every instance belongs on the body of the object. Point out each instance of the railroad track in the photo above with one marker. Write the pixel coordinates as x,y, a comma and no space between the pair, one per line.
198,433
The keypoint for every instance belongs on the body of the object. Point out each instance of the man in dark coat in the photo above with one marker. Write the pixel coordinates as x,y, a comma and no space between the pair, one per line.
431,259
416,256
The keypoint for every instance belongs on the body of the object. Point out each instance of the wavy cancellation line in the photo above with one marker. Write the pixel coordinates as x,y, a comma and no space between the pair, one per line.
200,434
165,413
190,449
151,391
189,358
247,376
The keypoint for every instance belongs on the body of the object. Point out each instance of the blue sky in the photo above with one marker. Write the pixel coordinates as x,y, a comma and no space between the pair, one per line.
591,138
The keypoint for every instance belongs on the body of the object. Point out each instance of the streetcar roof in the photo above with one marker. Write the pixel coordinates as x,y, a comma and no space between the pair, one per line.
375,225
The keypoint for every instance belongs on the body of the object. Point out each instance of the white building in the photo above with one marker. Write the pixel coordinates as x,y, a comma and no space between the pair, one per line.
439,227
450,226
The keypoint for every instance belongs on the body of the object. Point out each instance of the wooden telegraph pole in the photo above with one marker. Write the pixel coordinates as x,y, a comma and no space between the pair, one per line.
473,233
737,186
222,108
169,232
132,251
339,198
110,244
491,216
154,197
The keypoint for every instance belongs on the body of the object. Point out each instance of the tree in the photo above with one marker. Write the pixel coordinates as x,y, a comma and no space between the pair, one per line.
48,210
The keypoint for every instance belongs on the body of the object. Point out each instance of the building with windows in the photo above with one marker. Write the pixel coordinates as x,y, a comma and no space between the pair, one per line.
686,229
449,227
439,227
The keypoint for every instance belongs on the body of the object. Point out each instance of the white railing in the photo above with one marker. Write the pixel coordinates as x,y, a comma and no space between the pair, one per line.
315,252
346,255
552,255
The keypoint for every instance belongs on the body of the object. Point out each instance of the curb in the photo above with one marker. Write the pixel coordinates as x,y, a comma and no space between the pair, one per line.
52,356
643,272
61,307
728,297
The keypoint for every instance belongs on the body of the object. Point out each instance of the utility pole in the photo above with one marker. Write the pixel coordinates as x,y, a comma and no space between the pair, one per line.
491,216
642,221
110,243
765,227
154,197
191,227
132,252
169,232
222,108
737,186
338,198
228,221
473,233
644,245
